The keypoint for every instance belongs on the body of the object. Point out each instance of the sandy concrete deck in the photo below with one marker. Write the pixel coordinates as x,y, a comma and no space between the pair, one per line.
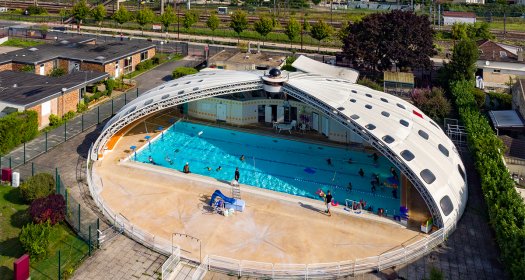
274,227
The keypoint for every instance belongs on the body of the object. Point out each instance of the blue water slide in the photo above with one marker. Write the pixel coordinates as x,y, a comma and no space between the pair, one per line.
221,195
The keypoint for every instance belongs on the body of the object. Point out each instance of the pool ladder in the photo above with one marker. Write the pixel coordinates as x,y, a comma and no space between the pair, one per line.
236,191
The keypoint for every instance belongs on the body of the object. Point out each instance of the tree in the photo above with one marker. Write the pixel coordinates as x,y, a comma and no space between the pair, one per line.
63,14
168,17
462,66
80,12
459,31
98,14
51,208
432,102
239,22
190,18
213,23
382,39
320,31
144,17
35,239
264,26
38,186
316,2
122,15
292,30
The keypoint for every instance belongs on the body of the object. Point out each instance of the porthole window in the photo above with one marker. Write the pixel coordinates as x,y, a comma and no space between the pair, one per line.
352,100
200,81
384,100
443,150
461,172
340,108
404,122
195,88
407,155
161,87
401,106
354,117
368,106
165,96
188,82
368,95
388,139
174,85
132,109
446,205
427,176
181,92
353,91
148,102
386,114
423,134
370,126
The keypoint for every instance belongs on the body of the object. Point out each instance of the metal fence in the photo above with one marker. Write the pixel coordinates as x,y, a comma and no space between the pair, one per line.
355,267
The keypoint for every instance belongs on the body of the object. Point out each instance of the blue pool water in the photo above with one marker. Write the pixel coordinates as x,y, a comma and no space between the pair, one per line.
277,164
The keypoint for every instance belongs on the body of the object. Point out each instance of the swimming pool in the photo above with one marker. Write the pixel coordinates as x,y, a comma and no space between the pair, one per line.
292,167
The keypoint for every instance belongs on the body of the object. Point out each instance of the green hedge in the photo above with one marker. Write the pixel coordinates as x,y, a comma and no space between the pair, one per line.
17,128
183,71
505,206
39,186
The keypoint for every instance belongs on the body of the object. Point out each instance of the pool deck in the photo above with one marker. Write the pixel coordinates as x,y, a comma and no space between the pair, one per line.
274,227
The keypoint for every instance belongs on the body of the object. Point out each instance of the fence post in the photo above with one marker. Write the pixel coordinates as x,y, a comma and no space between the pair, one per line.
58,184
98,234
59,274
32,169
24,152
82,122
98,114
125,98
89,241
46,141
66,200
10,163
137,91
112,106
0,161
65,131
79,218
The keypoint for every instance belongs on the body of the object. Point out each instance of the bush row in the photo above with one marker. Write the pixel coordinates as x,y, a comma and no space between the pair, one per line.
183,71
506,208
17,128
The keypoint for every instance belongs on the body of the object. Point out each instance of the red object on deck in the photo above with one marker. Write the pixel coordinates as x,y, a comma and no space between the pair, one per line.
7,174
417,113
21,268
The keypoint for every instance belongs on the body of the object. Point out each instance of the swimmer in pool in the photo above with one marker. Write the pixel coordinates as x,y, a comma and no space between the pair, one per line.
168,159
219,168
208,168
242,158
150,159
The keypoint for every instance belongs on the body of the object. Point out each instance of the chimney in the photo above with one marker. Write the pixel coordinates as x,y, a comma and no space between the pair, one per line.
520,55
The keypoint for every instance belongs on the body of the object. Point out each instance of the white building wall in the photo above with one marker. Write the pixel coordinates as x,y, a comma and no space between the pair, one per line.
452,20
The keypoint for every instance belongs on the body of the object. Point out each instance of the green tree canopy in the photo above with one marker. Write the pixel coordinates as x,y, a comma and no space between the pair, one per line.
381,39
99,13
80,11
462,66
168,17
293,29
320,31
316,2
190,18
459,31
213,22
239,22
122,15
144,16
264,26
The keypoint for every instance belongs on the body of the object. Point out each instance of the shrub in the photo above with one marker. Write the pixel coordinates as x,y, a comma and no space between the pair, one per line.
54,120
36,10
28,68
432,102
69,115
50,208
38,186
35,239
110,85
369,83
17,128
501,101
183,71
57,72
82,106
144,65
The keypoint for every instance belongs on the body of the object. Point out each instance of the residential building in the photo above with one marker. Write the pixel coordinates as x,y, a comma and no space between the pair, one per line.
46,95
75,54
449,18
479,2
499,64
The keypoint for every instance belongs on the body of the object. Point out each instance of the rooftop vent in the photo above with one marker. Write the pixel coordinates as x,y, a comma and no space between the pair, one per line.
100,57
32,49
274,73
15,85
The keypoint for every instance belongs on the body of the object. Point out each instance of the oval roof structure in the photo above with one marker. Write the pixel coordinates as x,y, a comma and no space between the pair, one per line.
396,128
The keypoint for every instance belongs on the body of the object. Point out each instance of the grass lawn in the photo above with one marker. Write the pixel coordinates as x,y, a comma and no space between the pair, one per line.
13,215
21,43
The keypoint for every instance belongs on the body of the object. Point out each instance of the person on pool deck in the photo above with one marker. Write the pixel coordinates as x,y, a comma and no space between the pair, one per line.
394,173
186,168
328,201
219,168
329,161
242,158
150,159
374,156
361,172
237,174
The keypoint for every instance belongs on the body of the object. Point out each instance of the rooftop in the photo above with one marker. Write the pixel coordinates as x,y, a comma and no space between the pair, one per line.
492,51
459,14
77,49
28,89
